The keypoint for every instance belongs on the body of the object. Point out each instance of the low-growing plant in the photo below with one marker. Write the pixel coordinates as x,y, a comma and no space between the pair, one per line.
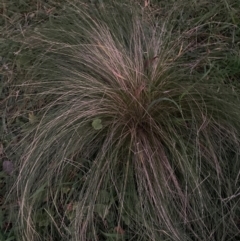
128,132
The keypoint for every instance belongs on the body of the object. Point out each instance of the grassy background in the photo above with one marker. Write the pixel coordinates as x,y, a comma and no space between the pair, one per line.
200,24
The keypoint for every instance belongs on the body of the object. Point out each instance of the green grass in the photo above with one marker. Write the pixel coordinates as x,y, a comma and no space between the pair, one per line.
122,122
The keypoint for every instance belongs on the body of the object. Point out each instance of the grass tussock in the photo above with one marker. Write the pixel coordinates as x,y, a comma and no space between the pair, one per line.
131,132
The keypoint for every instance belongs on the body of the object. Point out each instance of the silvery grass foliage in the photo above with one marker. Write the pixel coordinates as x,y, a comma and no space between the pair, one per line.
131,135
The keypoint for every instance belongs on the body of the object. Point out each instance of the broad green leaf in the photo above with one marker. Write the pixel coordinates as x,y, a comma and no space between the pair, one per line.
126,219
42,219
103,197
97,124
101,210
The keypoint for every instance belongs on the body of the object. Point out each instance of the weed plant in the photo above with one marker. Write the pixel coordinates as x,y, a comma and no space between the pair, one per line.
131,127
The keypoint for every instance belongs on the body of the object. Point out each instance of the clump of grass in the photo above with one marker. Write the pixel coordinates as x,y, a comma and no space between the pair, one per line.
129,136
